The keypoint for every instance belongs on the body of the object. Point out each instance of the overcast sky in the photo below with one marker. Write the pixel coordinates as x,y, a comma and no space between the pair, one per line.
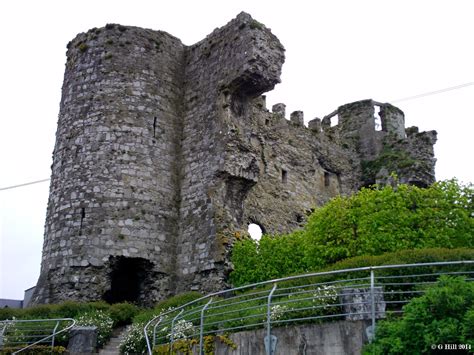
336,52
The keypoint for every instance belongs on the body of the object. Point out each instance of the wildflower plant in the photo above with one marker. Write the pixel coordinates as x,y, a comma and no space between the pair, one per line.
325,294
277,311
134,341
181,330
101,320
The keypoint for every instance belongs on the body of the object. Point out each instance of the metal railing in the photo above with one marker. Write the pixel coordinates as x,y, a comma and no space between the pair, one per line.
365,293
23,334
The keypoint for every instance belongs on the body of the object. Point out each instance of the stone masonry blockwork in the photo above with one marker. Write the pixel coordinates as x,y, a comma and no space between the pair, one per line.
165,153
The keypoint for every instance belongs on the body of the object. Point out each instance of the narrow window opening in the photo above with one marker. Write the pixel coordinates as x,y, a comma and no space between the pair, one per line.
284,176
154,128
377,118
326,179
83,215
267,122
334,120
255,231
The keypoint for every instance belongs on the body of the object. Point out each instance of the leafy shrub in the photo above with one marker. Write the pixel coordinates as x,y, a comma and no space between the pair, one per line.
270,258
371,222
394,258
178,300
36,350
123,313
67,309
166,305
101,320
375,221
9,313
443,315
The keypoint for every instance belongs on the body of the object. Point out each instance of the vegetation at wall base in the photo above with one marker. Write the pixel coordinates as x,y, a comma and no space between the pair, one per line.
35,350
443,315
99,314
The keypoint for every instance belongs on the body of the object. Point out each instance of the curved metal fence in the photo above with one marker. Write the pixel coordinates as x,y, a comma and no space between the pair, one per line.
21,334
366,293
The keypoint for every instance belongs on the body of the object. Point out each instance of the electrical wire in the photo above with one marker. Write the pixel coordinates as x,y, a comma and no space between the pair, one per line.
25,184
393,101
433,92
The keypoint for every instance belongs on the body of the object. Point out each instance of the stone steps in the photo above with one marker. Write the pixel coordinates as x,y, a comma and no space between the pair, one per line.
113,345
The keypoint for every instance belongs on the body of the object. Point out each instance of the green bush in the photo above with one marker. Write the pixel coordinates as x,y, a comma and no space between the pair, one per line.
376,221
36,350
271,257
177,300
67,309
123,313
165,305
443,315
9,313
371,222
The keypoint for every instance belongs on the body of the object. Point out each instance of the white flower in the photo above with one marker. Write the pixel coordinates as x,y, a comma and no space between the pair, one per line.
181,330
277,311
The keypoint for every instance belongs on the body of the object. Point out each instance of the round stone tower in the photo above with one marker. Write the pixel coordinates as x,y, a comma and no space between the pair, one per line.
113,205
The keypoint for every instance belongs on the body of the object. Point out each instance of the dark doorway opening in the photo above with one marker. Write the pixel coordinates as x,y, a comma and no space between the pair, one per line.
127,279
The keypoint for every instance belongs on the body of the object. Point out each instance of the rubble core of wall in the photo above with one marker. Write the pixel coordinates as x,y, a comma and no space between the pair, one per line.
165,153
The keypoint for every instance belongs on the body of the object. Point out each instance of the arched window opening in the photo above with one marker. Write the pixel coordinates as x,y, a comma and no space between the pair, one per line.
255,231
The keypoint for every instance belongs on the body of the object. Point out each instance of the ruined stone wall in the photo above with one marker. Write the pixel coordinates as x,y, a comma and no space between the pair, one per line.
165,153
223,72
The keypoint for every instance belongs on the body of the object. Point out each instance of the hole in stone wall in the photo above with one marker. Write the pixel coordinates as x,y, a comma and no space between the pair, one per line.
127,277
334,120
326,179
83,215
255,231
154,127
284,176
417,183
378,119
299,217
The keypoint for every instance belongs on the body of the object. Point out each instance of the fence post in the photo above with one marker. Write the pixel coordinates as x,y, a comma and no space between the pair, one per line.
372,300
269,334
201,329
154,331
172,330
54,335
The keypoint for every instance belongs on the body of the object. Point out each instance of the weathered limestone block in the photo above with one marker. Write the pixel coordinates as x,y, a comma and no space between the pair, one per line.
315,125
279,109
357,303
82,340
297,118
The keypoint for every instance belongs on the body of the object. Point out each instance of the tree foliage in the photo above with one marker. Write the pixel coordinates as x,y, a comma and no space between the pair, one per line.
370,222
443,315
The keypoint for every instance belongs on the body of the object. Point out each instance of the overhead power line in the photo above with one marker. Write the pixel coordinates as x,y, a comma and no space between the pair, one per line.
429,93
433,92
25,184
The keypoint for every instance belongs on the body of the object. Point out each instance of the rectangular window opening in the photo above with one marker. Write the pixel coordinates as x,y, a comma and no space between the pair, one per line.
326,179
284,176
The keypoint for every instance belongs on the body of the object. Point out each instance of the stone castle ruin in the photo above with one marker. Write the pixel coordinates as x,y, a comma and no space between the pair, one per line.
165,153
